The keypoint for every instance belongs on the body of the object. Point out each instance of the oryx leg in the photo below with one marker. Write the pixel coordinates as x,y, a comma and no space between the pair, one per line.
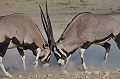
38,50
3,68
67,59
22,56
3,48
82,50
107,46
117,40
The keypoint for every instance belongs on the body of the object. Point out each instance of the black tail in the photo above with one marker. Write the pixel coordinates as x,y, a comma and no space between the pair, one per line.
117,40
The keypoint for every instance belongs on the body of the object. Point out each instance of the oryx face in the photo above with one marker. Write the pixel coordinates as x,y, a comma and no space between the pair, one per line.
45,55
48,30
60,56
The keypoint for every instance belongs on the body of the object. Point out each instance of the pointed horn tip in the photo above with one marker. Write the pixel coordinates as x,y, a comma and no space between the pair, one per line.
40,8
39,5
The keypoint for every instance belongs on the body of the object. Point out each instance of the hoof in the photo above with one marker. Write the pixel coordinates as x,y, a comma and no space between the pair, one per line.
35,63
8,75
45,65
85,68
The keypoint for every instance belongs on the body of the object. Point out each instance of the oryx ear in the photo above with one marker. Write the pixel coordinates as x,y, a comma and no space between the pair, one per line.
61,39
46,45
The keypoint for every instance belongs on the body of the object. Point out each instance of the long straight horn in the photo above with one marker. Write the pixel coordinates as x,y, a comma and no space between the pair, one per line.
44,22
50,31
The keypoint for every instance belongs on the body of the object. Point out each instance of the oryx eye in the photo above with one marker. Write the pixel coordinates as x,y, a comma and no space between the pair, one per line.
46,45
61,39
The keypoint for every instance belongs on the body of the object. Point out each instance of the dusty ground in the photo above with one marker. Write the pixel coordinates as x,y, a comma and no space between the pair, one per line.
61,13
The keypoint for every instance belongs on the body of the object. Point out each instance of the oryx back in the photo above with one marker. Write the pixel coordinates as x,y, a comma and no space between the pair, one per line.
89,27
21,27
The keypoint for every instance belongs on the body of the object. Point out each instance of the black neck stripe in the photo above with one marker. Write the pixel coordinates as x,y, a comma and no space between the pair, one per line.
64,51
62,56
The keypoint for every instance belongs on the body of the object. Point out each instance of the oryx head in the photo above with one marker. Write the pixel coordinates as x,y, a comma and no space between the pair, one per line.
61,57
48,31
45,55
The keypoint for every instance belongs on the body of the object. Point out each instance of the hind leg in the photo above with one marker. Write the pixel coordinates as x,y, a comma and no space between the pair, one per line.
117,40
22,56
107,46
3,68
3,48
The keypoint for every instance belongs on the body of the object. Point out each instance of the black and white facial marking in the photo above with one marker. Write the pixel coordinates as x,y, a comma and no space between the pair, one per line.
46,53
62,56
45,58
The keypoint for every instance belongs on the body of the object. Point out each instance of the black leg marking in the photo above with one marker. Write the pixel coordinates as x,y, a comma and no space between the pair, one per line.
22,56
32,47
83,48
3,47
20,51
82,60
15,41
117,40
107,47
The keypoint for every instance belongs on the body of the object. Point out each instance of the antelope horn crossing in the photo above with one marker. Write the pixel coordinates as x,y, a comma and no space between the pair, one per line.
47,27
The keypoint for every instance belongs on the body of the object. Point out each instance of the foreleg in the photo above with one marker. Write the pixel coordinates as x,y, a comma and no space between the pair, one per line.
82,50
67,59
22,56
38,50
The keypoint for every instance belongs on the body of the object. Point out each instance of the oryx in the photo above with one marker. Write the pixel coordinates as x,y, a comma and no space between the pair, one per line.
18,30
85,29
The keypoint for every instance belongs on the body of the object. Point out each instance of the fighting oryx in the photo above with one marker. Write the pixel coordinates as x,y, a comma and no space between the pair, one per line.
18,30
85,29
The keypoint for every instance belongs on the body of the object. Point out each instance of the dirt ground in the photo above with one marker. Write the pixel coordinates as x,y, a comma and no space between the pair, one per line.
61,13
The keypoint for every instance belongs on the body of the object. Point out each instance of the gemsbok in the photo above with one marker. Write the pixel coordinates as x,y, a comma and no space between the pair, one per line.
18,30
85,29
